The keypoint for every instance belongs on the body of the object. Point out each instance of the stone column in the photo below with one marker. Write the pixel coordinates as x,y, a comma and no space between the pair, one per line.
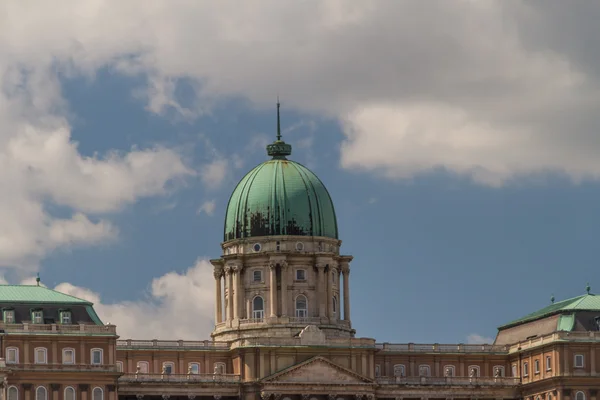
339,293
236,286
240,292
330,291
219,297
273,289
322,293
284,293
346,272
228,290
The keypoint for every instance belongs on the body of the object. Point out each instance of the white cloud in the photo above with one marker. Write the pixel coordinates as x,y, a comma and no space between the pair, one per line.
475,338
208,207
179,306
214,173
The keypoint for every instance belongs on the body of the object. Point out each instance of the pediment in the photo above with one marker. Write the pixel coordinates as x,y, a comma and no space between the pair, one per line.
317,370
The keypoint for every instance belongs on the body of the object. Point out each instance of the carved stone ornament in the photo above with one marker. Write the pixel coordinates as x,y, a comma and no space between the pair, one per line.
55,387
84,387
331,396
593,392
26,386
111,388
305,396
218,274
139,396
217,397
566,392
370,396
284,264
227,269
165,396
265,395
359,396
272,266
276,396
191,396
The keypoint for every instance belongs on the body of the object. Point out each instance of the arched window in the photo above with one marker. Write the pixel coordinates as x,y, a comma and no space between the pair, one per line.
399,370
580,396
69,393
449,371
98,394
424,370
41,356
168,368
143,367
473,371
301,306
220,368
498,371
40,393
334,302
68,356
258,308
194,368
13,393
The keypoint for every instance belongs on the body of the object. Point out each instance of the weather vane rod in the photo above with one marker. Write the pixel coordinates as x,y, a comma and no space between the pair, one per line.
278,120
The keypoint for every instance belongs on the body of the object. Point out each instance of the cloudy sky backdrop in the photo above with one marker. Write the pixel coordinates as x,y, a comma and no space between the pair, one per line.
459,140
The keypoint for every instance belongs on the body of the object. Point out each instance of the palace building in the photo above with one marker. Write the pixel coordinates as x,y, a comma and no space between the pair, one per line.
283,326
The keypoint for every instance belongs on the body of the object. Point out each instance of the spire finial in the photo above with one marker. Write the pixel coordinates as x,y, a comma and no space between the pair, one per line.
278,121
279,149
588,288
552,298
37,279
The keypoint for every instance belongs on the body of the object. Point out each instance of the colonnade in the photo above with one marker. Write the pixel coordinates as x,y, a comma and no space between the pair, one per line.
328,277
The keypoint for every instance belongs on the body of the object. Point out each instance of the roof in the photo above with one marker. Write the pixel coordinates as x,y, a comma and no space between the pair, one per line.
37,295
280,197
586,302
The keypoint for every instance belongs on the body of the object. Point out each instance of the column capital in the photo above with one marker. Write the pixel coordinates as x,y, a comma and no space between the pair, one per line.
228,269
272,266
345,267
218,273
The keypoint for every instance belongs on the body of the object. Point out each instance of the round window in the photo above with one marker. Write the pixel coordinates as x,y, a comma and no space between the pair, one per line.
299,246
256,247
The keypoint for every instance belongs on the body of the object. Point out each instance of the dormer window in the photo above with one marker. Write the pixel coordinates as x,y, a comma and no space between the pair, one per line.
37,317
300,275
65,317
9,316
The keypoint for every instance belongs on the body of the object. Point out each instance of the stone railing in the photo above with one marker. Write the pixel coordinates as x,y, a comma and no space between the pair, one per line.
452,381
592,336
131,344
62,367
441,348
297,341
305,320
68,329
179,378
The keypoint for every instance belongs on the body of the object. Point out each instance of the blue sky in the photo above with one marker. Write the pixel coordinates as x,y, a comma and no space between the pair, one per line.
464,204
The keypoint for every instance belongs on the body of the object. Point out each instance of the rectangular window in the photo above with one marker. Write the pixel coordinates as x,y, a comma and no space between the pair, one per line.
514,370
548,363
578,360
37,317
525,369
119,366
40,356
377,370
300,275
9,316
65,317
12,356
96,357
257,276
68,356
536,366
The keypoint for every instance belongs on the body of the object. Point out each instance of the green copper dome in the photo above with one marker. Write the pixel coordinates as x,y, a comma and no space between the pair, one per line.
280,197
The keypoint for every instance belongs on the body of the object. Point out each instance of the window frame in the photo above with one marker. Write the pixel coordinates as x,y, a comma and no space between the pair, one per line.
190,365
167,364
8,392
65,393
101,351
6,313
377,370
452,368
514,369
583,396
548,363
499,368
146,363
301,312
37,392
399,367
575,358
94,390
477,370
34,314
303,273
525,368
64,351
36,359
66,315
119,365
16,350
536,366
260,276
258,314
334,305
220,366
425,367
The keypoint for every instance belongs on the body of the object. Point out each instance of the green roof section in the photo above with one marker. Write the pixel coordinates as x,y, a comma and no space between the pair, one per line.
36,294
566,322
586,302
280,197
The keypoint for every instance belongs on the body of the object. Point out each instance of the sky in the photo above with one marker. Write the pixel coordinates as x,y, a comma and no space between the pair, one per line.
458,139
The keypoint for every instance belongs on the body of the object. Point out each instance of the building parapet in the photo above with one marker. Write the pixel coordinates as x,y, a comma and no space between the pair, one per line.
50,329
448,381
441,348
179,378
62,367
335,342
562,336
130,344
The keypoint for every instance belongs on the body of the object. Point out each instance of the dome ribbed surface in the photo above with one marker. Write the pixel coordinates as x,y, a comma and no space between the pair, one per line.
280,197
